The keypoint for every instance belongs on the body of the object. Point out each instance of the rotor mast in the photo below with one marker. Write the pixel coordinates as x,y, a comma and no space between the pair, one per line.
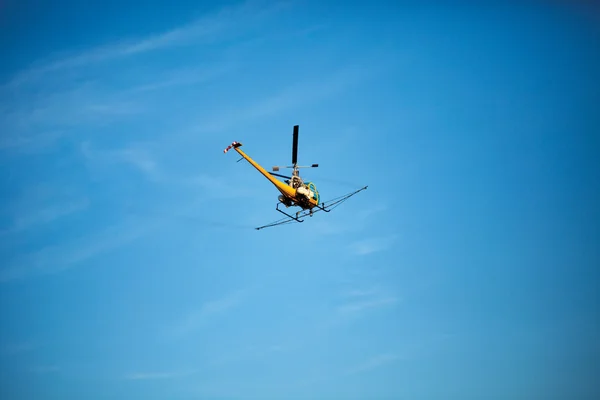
295,167
295,151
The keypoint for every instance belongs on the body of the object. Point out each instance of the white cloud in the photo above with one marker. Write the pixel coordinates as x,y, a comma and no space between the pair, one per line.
103,110
276,348
220,305
44,369
343,226
365,213
360,306
42,118
361,292
184,76
211,308
54,259
50,102
219,187
372,245
33,217
158,375
18,347
29,143
59,258
142,156
226,20
137,155
293,96
359,301
38,204
374,362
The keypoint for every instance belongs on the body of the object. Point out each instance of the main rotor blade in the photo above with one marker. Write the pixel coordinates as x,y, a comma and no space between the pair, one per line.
295,145
281,176
277,167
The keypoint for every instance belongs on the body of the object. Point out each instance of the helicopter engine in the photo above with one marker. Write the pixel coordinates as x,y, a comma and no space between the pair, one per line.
295,181
286,202
305,191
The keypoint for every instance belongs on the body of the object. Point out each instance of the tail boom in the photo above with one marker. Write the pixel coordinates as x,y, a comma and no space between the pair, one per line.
282,187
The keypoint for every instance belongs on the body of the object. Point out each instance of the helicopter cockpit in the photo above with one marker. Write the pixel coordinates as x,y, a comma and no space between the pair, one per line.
313,190
307,189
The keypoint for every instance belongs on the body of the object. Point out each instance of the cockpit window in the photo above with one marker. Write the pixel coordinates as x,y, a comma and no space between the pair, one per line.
312,187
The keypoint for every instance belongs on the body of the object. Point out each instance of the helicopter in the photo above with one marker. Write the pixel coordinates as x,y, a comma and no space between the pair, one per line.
294,191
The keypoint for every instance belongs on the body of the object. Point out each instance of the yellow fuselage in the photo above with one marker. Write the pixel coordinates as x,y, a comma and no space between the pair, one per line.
286,190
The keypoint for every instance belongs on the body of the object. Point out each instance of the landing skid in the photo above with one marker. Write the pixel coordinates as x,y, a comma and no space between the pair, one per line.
325,206
288,215
322,206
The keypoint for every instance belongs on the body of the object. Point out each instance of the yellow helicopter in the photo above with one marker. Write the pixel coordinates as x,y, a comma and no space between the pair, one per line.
294,191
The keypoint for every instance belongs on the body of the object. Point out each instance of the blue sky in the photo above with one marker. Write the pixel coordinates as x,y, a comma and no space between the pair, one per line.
130,266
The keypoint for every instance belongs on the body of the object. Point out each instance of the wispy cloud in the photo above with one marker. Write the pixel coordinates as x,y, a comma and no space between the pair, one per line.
41,119
210,309
18,347
139,376
310,91
359,301
47,114
38,204
143,157
359,293
54,259
44,369
246,353
88,244
372,245
219,187
183,76
373,363
33,217
357,307
136,155
224,21
374,209
29,143
344,226
53,100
